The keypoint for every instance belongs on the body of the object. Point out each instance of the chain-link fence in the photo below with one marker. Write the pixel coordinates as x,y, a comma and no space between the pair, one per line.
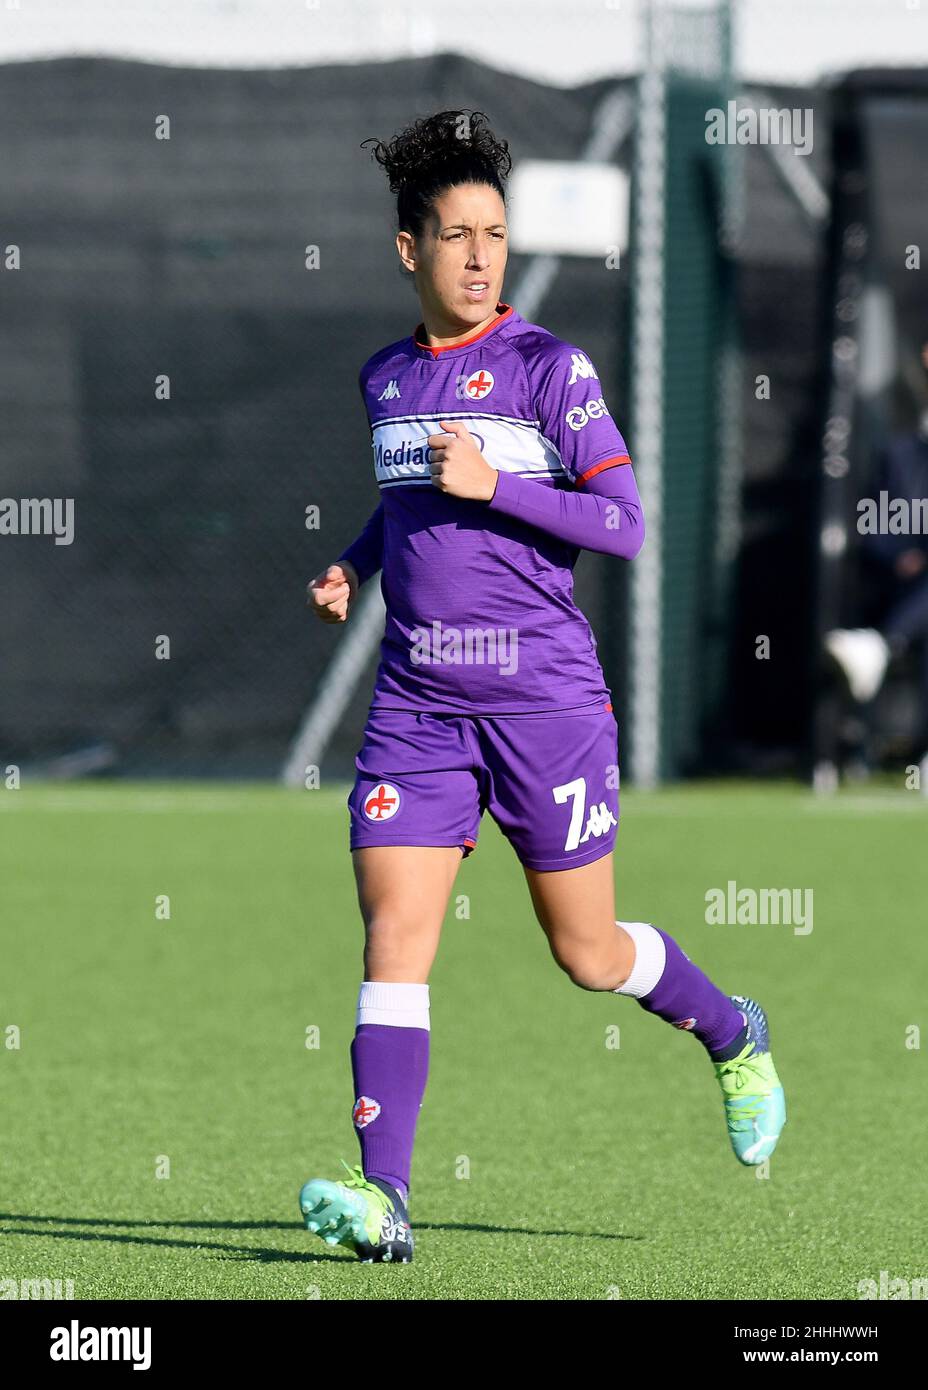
173,365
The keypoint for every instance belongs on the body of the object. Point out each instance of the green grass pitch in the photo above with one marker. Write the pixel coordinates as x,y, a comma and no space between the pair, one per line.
547,1164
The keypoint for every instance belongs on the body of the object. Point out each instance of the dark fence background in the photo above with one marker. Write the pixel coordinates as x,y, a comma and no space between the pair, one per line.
185,257
875,390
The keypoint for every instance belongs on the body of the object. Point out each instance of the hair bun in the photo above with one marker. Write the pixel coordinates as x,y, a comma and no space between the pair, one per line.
437,144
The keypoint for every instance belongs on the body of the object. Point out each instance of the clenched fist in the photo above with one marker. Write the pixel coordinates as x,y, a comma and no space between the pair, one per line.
331,594
457,465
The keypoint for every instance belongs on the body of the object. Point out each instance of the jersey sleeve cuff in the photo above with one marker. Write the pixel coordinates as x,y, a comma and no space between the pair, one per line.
508,492
614,461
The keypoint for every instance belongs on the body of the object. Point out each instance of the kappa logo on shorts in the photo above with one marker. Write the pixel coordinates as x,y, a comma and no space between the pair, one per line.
601,819
365,1110
382,803
599,822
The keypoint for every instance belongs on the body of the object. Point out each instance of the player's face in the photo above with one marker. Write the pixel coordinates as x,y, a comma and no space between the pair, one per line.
465,240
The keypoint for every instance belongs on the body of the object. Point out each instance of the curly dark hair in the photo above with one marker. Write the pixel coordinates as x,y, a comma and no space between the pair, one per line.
435,153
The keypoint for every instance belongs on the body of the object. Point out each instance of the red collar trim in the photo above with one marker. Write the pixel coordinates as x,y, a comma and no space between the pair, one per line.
465,342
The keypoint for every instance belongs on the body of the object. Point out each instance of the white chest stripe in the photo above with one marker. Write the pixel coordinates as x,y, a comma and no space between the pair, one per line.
401,453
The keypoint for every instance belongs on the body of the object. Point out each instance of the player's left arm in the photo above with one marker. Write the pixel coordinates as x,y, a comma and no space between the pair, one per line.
605,516
604,513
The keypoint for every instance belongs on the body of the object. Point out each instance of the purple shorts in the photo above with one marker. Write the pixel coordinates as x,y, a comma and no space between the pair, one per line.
550,781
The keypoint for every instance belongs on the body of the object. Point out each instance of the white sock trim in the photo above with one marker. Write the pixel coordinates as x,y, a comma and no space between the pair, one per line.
397,1005
650,959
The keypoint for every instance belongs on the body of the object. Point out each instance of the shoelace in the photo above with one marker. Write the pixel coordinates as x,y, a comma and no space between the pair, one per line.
743,1068
370,1191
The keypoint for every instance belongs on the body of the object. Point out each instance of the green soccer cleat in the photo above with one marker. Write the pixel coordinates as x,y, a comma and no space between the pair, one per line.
365,1215
755,1107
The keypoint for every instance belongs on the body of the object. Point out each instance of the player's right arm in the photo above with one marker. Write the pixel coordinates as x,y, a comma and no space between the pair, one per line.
331,593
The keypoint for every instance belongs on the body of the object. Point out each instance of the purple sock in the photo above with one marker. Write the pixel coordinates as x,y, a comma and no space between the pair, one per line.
688,999
390,1068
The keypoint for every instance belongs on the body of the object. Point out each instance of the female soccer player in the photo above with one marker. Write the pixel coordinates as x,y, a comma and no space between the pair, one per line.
497,460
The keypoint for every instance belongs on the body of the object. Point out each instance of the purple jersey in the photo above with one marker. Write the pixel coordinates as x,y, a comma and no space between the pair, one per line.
480,610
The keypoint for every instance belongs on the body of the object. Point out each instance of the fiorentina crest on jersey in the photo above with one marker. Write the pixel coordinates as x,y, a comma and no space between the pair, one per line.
479,385
365,1110
688,1023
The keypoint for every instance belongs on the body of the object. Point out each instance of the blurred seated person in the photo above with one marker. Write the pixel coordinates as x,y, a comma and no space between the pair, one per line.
865,653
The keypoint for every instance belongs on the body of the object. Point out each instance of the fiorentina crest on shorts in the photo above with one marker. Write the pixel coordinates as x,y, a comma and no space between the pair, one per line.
365,1110
382,803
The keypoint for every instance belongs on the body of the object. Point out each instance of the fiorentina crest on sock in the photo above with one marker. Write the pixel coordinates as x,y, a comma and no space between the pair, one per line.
365,1110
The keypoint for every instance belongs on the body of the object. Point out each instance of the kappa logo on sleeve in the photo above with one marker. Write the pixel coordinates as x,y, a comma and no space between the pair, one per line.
581,368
